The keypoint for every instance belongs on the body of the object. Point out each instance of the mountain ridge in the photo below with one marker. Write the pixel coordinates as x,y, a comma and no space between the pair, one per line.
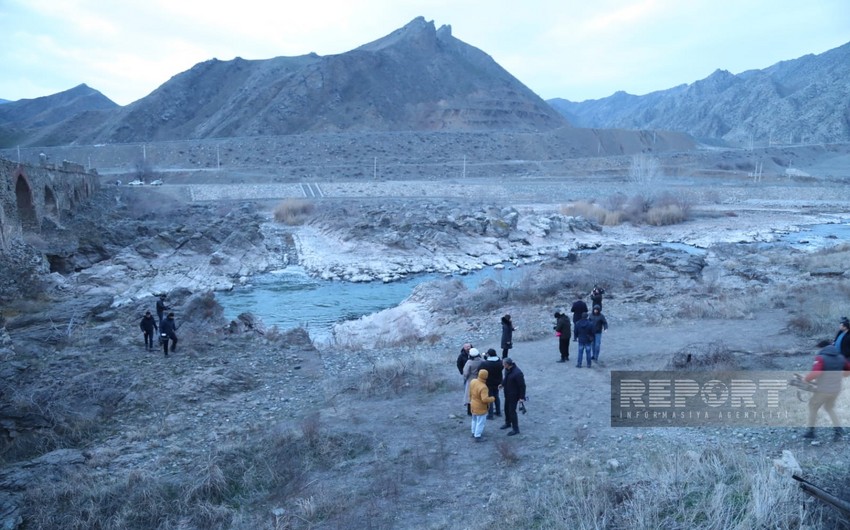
803,100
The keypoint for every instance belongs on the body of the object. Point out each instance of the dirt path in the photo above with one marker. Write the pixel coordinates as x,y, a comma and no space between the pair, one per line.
568,415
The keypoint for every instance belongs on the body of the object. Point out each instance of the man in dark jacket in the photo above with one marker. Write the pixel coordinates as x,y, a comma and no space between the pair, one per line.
494,378
578,309
600,324
842,341
463,356
161,308
507,335
584,334
148,325
564,333
827,373
167,330
513,385
596,296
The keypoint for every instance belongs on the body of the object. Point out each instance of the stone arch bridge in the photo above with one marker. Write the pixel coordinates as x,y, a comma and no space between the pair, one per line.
30,194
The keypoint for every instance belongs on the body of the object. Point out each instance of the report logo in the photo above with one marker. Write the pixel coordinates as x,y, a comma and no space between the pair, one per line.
717,399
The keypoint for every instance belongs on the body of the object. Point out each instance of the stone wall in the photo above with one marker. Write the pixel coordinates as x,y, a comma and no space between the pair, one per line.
29,194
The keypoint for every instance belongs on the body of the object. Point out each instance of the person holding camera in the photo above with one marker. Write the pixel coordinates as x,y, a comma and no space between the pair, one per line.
596,296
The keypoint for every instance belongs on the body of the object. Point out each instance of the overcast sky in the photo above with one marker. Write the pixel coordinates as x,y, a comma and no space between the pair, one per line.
573,49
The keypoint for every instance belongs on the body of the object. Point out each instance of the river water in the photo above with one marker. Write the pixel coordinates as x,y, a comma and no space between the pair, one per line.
290,297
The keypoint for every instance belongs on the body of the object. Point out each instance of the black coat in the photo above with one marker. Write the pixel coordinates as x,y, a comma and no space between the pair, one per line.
461,360
507,334
168,327
514,384
563,326
148,324
578,308
494,373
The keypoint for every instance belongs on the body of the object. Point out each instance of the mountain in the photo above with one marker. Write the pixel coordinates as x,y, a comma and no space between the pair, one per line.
805,100
27,121
53,109
417,78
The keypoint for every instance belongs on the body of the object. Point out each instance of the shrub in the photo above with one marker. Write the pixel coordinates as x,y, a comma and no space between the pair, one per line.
293,211
665,215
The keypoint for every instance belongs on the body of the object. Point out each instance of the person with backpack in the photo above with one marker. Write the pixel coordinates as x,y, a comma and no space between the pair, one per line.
829,368
148,326
578,309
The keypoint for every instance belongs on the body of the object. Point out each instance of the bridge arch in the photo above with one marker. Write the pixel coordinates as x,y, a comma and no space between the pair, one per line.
24,200
51,206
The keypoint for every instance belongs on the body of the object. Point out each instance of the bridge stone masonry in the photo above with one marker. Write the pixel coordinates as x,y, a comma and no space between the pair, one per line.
30,194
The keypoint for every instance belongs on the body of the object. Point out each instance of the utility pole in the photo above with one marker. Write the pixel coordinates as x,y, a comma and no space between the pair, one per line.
217,158
19,154
464,166
144,153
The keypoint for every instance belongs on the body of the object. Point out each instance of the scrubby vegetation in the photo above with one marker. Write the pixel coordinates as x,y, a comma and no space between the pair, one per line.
293,211
664,209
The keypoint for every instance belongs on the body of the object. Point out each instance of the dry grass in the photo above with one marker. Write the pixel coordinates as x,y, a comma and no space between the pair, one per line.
214,495
661,210
293,211
676,489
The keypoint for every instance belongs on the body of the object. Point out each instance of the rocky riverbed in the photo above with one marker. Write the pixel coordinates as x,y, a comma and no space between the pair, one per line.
84,402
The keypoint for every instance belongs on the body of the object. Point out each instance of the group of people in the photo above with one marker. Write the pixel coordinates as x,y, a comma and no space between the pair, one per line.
167,327
484,378
586,329
831,365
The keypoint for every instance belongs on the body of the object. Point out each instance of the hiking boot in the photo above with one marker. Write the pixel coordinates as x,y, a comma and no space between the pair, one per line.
810,433
505,427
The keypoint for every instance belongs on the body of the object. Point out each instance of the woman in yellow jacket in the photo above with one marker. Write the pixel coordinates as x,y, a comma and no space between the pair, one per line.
479,403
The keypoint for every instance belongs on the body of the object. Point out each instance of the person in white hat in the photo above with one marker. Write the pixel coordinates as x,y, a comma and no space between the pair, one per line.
470,372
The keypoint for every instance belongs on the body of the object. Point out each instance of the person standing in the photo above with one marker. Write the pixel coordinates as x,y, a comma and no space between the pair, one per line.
463,356
513,386
578,309
827,373
494,378
842,341
168,330
596,296
479,401
584,334
161,308
600,324
148,325
507,335
470,372
564,333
